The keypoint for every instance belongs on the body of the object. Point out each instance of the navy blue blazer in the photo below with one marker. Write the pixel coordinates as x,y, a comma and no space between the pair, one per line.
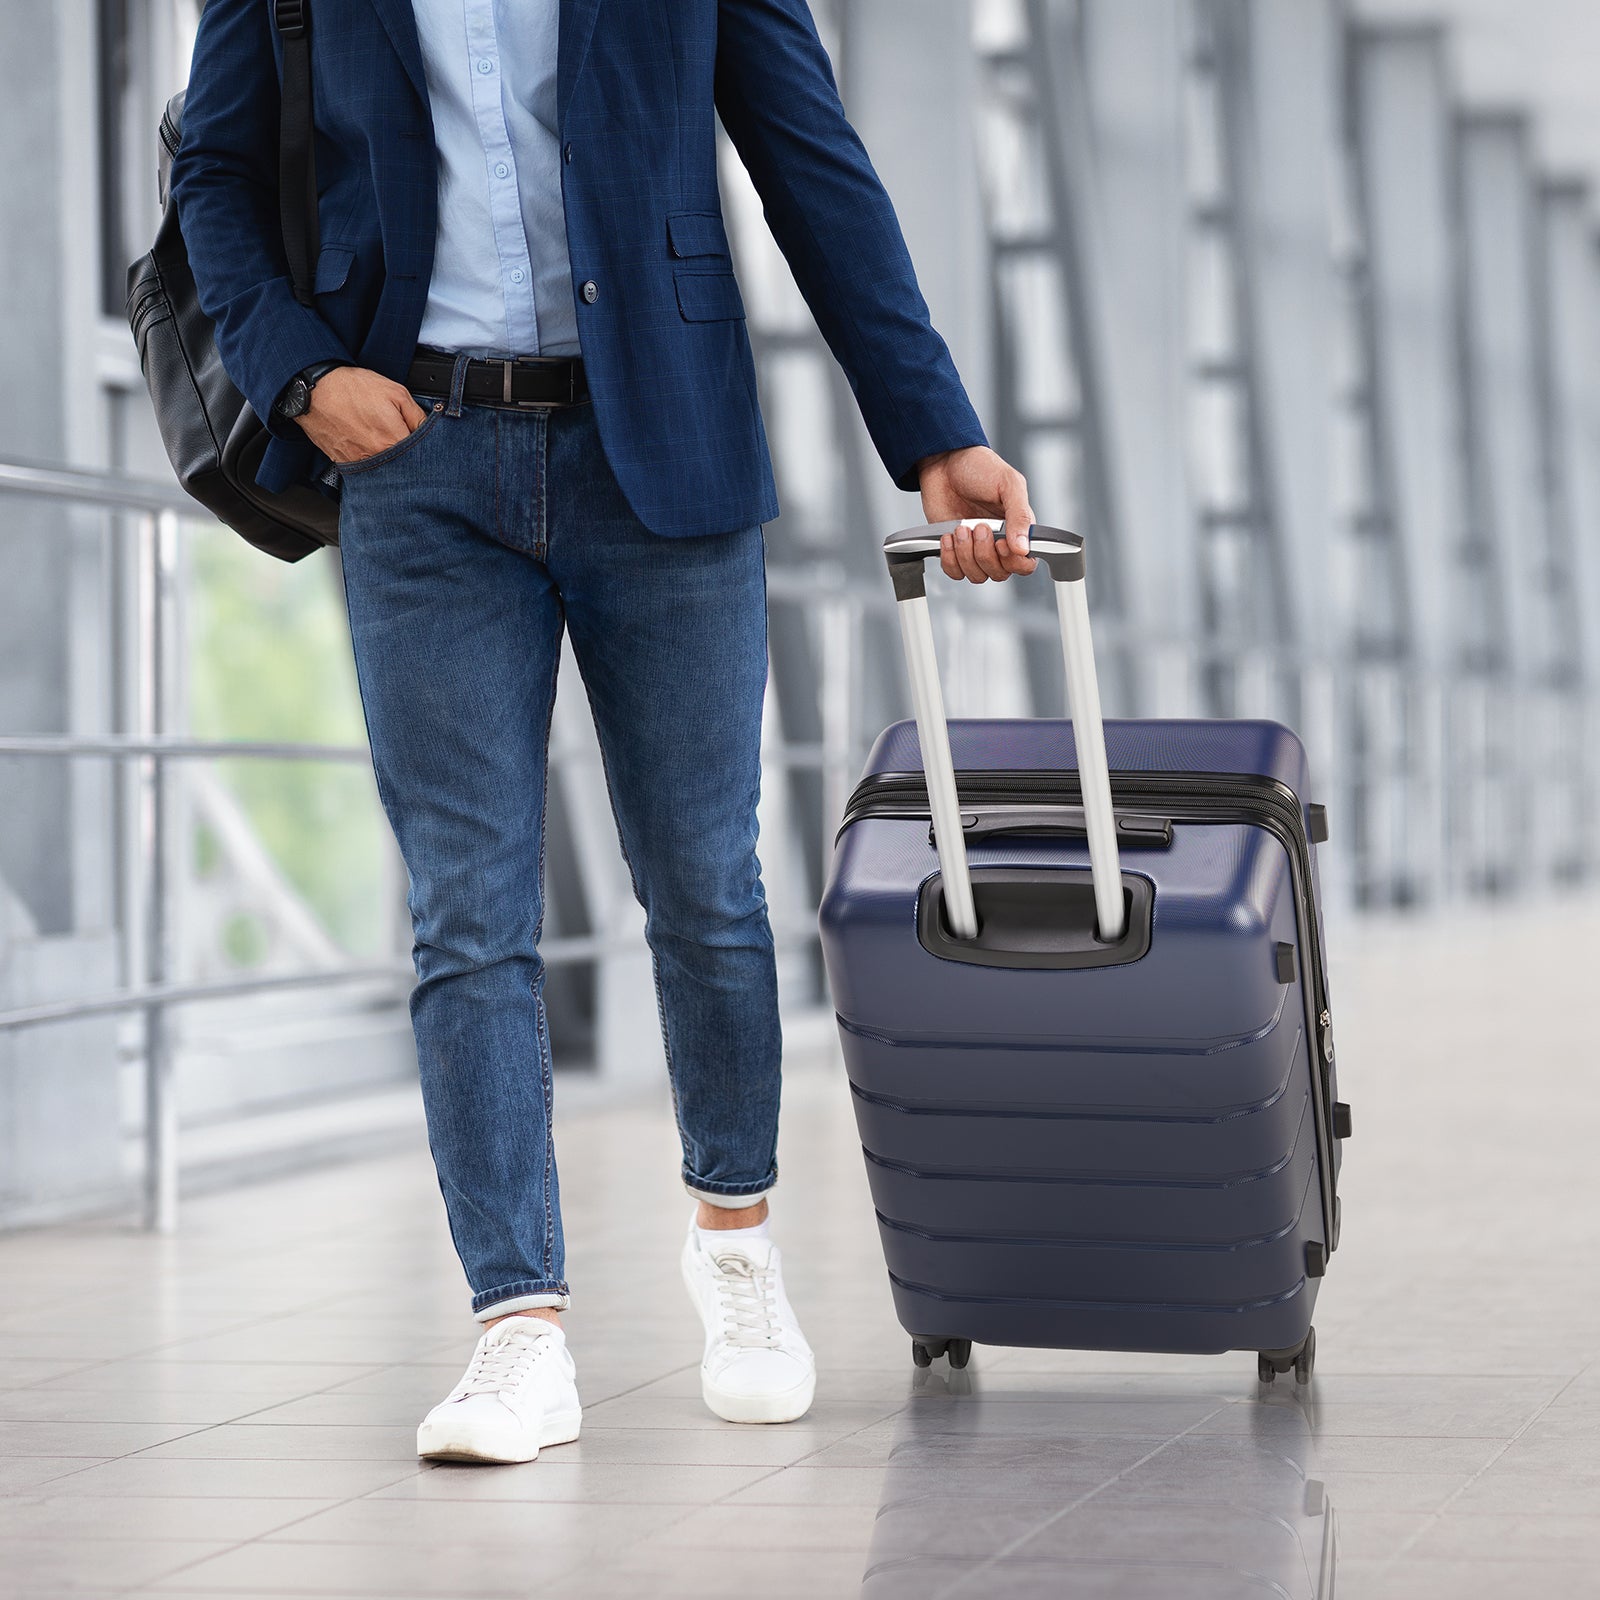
663,332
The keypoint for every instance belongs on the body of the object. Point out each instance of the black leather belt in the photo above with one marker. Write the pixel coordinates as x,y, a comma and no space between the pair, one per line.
527,381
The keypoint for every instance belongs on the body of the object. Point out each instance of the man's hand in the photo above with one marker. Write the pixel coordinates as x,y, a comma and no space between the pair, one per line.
976,483
356,412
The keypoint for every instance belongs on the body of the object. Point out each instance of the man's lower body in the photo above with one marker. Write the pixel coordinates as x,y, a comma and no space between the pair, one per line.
468,549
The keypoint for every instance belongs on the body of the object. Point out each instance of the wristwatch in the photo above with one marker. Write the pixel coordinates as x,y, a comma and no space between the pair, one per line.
295,400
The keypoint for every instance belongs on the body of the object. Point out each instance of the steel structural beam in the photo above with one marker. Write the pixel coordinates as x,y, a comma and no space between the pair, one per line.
1289,148
1118,72
1570,266
1427,802
1521,563
1571,338
910,78
1404,146
1504,385
1132,60
1239,538
1290,154
1044,355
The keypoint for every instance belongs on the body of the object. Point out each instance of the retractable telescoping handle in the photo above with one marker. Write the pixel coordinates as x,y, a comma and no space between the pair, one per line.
1062,554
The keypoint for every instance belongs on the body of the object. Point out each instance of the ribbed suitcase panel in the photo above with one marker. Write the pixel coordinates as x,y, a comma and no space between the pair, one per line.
1219,1274
1012,1144
1060,1078
1143,1207
1175,1326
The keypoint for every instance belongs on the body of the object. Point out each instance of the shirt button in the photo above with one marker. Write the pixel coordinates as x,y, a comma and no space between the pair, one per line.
486,66
501,170
517,274
591,291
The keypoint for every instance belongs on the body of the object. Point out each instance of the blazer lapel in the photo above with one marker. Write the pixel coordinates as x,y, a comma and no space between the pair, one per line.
401,25
577,26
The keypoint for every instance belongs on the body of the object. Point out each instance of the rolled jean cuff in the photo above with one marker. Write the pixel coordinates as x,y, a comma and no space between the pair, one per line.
526,1296
731,1196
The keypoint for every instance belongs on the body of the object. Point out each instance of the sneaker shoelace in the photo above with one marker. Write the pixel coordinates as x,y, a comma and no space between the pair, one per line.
749,1302
502,1365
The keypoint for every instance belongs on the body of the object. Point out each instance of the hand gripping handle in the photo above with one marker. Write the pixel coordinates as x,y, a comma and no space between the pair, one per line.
1062,554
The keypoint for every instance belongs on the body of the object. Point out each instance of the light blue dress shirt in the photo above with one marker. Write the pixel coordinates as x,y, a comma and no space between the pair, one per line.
502,282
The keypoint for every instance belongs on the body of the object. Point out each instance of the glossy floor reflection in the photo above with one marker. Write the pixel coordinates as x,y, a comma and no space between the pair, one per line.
231,1412
1013,1485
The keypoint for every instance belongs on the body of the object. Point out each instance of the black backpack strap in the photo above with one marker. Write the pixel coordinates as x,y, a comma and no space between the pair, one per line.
297,163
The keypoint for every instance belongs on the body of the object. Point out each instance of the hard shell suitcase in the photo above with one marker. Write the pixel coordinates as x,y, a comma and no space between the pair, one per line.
1092,1066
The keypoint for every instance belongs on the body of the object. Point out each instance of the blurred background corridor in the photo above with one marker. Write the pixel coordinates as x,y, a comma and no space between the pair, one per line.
1292,307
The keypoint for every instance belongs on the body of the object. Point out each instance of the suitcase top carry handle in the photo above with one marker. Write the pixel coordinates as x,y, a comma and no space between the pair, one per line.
1062,554
993,822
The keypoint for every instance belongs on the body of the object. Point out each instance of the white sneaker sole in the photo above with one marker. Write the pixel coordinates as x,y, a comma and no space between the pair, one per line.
788,1405
437,1442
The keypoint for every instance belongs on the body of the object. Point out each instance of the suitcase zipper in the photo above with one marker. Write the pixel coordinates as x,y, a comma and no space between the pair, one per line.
1180,797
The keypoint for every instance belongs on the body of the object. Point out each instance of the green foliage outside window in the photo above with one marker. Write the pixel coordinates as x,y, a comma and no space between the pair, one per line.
270,659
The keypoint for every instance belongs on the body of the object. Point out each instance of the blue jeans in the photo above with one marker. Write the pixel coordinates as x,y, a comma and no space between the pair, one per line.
467,548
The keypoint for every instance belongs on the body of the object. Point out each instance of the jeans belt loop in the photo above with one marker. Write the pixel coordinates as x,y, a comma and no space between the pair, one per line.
458,384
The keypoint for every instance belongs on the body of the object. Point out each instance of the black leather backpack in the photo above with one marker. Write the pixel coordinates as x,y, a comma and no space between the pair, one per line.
213,438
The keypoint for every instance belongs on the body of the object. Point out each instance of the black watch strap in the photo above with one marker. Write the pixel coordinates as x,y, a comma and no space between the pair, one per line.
318,368
294,400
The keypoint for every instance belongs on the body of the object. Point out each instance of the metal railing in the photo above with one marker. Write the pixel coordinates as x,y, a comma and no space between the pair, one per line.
145,848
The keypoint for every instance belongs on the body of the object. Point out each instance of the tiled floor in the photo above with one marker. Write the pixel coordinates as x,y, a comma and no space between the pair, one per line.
230,1412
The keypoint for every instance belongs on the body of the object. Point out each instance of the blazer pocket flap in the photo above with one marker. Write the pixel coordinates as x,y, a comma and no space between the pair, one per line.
333,267
709,296
697,233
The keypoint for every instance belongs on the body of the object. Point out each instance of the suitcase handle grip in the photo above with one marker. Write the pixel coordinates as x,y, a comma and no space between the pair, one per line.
908,550
1062,554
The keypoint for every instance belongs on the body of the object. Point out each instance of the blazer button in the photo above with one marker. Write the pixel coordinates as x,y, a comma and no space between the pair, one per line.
568,152
591,292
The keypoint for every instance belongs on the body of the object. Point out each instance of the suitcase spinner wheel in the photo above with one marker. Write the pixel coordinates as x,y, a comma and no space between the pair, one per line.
1303,1359
924,1351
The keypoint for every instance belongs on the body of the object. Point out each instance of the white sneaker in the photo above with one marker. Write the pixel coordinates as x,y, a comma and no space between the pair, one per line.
518,1394
757,1366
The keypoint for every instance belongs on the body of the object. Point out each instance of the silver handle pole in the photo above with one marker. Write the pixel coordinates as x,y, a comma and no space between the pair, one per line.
1062,554
916,629
1094,772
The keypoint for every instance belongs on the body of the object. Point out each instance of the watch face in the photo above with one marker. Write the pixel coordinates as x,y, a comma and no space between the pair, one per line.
298,400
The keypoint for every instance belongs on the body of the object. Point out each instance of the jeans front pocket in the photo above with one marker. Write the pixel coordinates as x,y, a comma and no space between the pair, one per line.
434,408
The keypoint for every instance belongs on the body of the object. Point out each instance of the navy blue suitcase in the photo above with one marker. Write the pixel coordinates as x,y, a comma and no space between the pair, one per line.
1087,1124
